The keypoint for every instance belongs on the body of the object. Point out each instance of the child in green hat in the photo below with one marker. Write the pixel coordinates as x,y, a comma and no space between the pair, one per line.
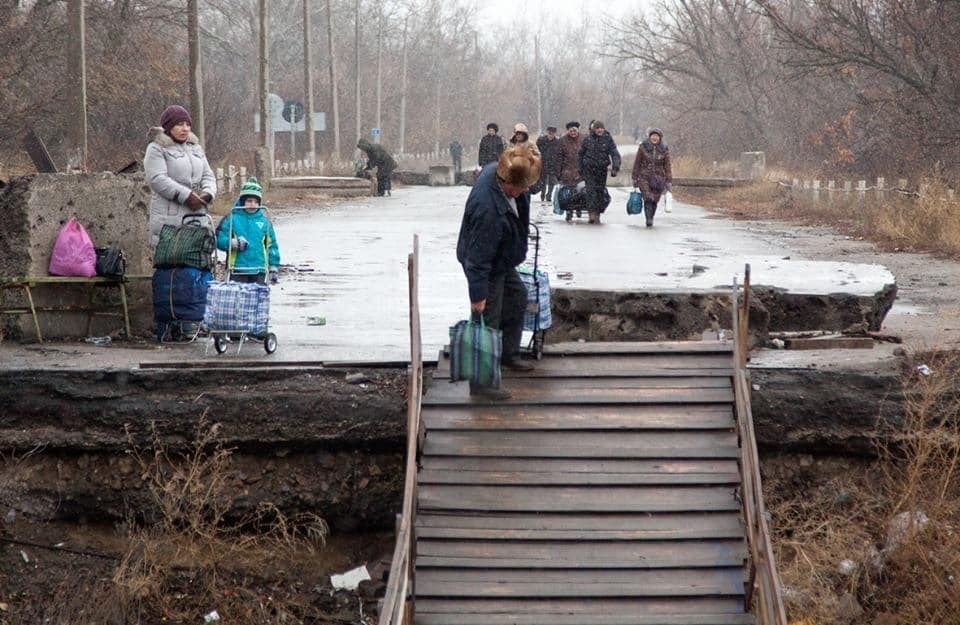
247,235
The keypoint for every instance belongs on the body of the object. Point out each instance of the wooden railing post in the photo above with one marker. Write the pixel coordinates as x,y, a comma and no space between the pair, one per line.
763,592
397,610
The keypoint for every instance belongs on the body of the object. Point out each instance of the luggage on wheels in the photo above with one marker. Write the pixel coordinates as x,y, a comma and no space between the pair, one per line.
179,300
183,260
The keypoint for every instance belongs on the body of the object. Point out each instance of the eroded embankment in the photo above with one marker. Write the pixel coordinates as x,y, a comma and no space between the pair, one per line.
309,441
303,440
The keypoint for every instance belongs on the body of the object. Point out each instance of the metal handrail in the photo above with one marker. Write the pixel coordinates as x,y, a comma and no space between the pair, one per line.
397,606
764,591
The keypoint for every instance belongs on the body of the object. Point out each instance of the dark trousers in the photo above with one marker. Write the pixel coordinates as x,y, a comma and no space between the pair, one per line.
383,181
457,164
649,209
596,182
549,181
506,303
258,278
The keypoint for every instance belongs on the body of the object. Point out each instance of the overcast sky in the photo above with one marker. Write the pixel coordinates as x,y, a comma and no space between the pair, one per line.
504,12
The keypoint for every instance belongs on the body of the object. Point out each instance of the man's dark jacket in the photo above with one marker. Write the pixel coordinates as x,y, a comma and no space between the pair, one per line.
490,148
598,152
377,156
549,155
492,239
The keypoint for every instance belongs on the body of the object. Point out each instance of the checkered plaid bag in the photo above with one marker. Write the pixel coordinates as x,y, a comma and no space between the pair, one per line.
537,315
185,246
237,307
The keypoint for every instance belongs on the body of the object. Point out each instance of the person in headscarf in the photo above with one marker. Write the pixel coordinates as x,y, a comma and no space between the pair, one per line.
652,172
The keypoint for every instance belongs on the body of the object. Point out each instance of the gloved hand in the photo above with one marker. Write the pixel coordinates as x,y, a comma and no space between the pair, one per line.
614,172
274,276
195,203
669,187
206,197
239,243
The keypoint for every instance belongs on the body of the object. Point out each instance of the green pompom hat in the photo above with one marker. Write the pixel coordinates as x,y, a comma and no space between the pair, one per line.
252,187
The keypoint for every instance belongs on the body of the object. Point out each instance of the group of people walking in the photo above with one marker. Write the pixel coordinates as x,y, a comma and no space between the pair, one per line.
574,159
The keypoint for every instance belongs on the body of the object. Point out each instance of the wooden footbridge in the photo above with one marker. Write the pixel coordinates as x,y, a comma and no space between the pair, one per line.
618,486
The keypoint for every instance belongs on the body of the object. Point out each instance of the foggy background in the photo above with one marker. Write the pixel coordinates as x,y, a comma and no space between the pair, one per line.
851,87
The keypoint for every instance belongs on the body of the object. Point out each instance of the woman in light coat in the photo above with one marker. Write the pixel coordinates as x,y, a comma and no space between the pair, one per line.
177,171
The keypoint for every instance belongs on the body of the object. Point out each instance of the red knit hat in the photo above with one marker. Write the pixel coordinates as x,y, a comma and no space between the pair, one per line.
173,115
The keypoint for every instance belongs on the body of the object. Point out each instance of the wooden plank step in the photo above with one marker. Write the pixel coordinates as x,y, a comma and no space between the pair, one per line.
522,478
582,444
458,393
560,471
517,554
487,584
569,417
577,498
651,382
594,527
637,347
624,364
587,465
658,609
562,618
545,369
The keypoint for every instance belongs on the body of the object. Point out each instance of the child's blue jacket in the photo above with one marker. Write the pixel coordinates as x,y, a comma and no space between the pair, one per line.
262,253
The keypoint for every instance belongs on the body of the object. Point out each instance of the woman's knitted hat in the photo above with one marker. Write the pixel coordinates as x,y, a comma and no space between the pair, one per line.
173,115
251,187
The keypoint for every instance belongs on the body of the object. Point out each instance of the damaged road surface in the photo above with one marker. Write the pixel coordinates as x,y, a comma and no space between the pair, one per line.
616,281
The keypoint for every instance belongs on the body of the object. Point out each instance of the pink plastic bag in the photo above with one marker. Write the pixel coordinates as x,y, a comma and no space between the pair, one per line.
73,253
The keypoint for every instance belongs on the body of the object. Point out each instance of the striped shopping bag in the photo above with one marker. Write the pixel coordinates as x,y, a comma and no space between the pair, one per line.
475,352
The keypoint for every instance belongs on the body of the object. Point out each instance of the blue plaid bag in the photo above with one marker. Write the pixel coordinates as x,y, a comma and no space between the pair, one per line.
237,307
475,352
537,315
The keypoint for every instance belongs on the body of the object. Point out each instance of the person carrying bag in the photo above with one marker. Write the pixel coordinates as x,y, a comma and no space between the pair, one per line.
652,172
475,352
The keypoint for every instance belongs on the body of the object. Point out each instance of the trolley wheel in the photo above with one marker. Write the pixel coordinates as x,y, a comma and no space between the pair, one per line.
270,342
220,343
538,345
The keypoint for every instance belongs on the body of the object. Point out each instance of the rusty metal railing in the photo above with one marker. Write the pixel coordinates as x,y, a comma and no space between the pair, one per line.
397,607
763,592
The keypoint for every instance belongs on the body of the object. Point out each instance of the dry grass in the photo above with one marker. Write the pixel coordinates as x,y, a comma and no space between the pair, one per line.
907,579
191,560
930,223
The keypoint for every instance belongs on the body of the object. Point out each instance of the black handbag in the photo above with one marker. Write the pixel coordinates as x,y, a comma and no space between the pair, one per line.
110,262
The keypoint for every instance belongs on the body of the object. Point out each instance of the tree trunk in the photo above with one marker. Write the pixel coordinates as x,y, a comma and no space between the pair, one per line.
356,69
265,129
379,136
403,91
196,69
77,87
333,84
308,84
536,55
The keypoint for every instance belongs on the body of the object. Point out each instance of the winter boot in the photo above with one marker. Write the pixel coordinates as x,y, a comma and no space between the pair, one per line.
569,217
649,210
